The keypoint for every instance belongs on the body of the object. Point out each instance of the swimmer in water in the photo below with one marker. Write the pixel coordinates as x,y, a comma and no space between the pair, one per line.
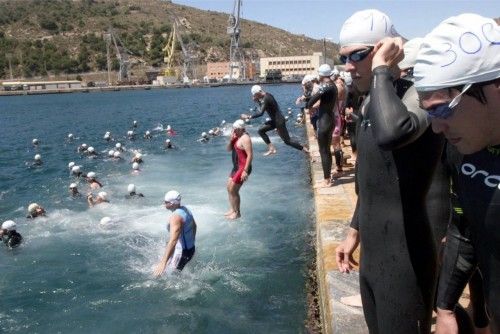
75,171
241,147
131,135
71,165
137,158
94,183
82,148
182,227
168,144
8,234
170,131
135,168
148,135
70,137
119,147
204,138
73,190
91,153
117,156
37,161
132,193
35,210
111,153
107,136
35,142
102,197
134,124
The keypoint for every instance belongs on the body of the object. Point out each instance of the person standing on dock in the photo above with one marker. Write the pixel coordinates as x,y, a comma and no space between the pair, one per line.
182,227
398,154
268,104
241,147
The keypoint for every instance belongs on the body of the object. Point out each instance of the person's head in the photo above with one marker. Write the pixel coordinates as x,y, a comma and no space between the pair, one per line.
102,196
71,165
138,156
169,127
130,133
135,166
105,221
131,188
168,142
358,36
172,200
75,170
239,127
70,136
91,176
8,225
410,49
84,146
148,133
38,157
117,155
34,209
134,123
91,150
257,92
457,76
324,72
204,135
35,141
118,146
73,189
111,153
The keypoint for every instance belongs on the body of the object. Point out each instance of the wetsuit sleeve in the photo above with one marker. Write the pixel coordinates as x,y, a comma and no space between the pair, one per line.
395,122
317,96
263,108
355,221
459,263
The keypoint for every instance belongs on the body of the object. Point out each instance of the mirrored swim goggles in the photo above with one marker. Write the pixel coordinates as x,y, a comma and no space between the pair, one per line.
445,110
356,56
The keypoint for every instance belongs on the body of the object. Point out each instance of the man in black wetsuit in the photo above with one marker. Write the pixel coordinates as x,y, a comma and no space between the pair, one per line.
397,156
327,95
8,234
268,104
462,97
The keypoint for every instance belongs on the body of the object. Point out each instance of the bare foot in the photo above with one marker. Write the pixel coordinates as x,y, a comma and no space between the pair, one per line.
339,173
323,184
233,216
269,152
229,212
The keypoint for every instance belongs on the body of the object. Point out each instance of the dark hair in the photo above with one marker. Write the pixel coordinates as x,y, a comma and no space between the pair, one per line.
476,90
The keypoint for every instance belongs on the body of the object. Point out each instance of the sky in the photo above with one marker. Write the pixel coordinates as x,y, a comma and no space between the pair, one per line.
323,18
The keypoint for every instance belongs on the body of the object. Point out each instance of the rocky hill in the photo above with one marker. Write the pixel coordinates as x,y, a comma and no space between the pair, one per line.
61,37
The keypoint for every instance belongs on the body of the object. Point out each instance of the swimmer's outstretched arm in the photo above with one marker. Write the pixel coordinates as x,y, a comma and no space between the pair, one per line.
175,232
90,200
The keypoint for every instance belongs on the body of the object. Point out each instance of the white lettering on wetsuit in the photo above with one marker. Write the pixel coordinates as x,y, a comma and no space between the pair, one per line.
492,181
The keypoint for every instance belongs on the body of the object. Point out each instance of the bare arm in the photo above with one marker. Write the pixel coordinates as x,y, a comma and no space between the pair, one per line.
175,231
246,142
229,146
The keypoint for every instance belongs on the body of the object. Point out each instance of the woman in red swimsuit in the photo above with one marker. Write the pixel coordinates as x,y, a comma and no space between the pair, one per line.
241,148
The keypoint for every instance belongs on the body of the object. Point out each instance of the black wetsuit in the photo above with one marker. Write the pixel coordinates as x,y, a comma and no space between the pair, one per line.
277,121
397,156
354,100
327,93
477,244
12,239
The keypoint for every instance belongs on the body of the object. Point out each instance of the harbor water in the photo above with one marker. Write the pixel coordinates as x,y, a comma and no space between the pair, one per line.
73,275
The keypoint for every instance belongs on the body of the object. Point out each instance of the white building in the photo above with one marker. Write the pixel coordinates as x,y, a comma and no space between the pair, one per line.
295,65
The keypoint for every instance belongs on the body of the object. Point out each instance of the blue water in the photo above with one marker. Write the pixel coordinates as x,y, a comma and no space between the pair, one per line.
72,275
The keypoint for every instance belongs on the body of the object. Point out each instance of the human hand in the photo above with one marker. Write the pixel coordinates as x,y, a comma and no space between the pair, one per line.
446,322
388,52
159,269
344,251
244,116
244,176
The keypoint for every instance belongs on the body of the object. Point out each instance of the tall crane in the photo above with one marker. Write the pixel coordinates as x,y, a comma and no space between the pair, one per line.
169,50
236,61
121,53
188,54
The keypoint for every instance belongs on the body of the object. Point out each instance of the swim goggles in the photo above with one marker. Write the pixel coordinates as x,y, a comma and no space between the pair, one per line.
356,56
445,110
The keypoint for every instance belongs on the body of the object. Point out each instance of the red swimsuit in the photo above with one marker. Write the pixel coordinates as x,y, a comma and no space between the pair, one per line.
239,157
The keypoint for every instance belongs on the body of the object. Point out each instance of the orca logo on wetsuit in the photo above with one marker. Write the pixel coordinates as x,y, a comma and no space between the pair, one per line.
492,181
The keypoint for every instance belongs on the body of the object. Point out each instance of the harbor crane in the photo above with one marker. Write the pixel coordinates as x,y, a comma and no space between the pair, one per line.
169,50
236,61
121,54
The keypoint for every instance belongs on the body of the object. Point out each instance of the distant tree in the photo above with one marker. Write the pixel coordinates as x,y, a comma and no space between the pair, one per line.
48,24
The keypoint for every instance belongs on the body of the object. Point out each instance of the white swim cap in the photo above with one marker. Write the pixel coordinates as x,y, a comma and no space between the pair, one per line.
135,166
8,225
32,207
239,124
91,175
138,155
325,70
38,157
72,185
118,145
411,50
255,89
247,120
71,164
462,49
366,27
268,119
90,149
106,135
223,122
169,127
75,169
307,79
135,122
287,117
210,132
70,135
35,141
167,141
131,188
130,133
103,195
289,109
173,197
84,145
203,134
110,153
148,133
116,154
105,220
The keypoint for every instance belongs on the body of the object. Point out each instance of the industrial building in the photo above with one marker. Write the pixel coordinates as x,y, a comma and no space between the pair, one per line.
294,66
41,85
220,71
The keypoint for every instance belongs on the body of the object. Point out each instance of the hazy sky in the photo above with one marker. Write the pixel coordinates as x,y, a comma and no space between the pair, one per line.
323,18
